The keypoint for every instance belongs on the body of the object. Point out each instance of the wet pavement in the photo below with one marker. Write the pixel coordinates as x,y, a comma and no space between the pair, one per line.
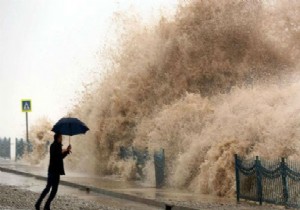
36,185
92,188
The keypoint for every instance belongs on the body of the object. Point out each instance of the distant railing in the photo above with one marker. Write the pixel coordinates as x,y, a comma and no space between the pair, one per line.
20,146
5,147
276,182
141,157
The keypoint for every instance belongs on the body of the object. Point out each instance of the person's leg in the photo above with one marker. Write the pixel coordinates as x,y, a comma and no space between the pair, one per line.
44,193
53,191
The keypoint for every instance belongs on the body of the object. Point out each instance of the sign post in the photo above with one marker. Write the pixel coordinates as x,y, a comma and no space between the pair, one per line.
26,107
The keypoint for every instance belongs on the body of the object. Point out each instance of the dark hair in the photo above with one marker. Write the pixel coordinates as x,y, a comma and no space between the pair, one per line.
56,135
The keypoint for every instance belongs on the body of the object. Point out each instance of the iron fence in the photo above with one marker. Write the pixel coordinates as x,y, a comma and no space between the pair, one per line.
5,147
23,147
271,181
141,157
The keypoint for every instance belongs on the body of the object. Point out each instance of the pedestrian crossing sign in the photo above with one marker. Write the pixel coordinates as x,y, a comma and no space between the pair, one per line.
26,105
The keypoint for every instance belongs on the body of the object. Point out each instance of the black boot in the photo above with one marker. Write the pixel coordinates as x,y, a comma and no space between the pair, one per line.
47,206
37,205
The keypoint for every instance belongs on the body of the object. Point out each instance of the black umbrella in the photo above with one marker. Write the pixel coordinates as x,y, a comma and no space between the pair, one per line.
70,126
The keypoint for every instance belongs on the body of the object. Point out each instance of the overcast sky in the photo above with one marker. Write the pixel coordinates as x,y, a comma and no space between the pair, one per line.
48,49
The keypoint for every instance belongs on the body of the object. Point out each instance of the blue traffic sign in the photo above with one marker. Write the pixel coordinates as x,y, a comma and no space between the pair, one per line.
26,105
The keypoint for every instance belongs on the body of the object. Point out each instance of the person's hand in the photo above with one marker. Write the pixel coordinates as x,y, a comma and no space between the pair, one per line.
69,148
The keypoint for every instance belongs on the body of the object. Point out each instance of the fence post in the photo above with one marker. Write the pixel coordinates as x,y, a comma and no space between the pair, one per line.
159,164
13,149
258,180
237,178
9,148
284,181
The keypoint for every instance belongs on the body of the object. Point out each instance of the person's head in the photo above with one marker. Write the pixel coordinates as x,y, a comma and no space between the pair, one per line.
58,137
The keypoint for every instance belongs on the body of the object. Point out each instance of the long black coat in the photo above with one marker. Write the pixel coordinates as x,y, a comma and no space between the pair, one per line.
56,165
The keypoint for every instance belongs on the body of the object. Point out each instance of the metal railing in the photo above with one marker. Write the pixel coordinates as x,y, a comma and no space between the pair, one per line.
141,157
276,182
21,147
5,147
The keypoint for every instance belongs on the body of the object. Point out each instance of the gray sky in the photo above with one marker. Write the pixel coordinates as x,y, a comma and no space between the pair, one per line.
48,49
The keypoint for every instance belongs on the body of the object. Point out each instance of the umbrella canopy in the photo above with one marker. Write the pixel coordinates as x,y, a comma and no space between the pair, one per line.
70,126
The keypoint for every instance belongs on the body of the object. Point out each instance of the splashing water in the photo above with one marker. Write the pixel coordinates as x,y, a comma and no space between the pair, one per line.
40,136
221,77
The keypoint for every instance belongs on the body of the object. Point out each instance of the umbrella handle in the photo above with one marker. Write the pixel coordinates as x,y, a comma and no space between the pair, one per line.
69,140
